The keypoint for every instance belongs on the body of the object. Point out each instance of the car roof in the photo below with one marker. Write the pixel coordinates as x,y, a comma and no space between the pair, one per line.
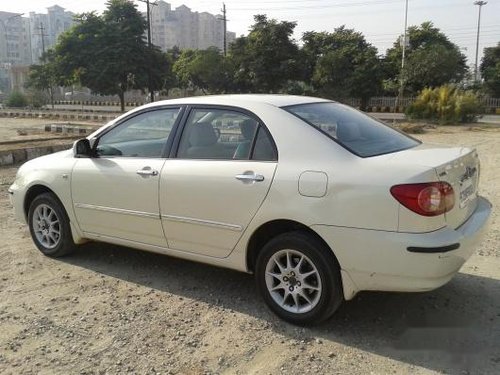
242,99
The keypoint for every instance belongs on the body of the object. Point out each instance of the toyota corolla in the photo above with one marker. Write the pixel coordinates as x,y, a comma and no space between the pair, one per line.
318,200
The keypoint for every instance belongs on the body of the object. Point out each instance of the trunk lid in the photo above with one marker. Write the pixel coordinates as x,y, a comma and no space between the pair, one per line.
462,174
458,166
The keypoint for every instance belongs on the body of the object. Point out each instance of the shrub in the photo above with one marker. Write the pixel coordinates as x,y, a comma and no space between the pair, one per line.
36,98
17,100
295,88
446,105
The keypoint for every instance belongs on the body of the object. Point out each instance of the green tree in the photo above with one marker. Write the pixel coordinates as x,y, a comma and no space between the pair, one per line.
182,68
160,65
342,64
169,78
206,69
266,59
490,70
45,77
432,60
107,53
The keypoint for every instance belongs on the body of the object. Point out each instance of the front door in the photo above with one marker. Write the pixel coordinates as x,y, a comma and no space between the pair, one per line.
218,179
115,194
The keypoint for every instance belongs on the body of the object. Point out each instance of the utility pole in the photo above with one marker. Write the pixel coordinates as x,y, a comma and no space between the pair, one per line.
480,4
150,46
224,19
43,35
31,46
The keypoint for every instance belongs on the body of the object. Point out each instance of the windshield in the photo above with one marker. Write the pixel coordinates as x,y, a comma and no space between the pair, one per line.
357,132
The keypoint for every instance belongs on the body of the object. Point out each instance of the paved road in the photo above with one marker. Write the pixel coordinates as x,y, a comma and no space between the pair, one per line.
493,119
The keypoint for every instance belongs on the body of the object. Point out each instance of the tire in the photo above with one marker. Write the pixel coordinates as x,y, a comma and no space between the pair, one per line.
49,226
304,294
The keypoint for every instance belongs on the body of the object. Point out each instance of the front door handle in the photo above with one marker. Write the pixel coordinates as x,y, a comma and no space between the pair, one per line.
147,171
250,177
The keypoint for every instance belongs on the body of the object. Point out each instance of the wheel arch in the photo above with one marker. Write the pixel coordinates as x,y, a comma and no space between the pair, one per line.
271,229
38,189
32,193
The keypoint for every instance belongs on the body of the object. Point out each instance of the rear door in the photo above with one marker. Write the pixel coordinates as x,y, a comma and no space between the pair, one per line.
216,181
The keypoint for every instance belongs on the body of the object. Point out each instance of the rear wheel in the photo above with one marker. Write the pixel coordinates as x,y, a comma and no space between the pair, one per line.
49,226
299,278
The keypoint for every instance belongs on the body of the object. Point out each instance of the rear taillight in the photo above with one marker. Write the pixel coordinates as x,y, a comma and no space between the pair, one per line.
427,199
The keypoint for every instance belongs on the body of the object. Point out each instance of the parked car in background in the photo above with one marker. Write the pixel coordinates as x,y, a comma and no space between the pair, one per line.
77,95
316,199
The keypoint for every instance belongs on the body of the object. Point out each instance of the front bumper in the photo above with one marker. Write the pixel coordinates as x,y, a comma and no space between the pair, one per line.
16,198
377,260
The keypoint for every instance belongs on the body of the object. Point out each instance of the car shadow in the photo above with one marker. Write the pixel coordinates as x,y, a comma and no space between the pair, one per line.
454,329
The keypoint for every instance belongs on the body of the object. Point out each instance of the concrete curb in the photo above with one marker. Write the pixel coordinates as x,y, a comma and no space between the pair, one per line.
69,129
10,157
97,103
58,116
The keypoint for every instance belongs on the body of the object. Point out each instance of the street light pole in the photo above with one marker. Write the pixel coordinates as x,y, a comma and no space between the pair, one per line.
403,56
404,40
480,4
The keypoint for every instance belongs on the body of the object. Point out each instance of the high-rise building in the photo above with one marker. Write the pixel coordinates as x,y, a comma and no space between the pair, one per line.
46,28
186,29
13,39
24,39
14,46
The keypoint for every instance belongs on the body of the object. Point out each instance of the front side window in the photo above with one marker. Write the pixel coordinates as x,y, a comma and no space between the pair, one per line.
144,135
224,134
359,133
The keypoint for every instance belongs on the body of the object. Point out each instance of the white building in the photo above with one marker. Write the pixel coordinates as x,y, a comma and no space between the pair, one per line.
15,46
186,29
46,28
23,40
14,39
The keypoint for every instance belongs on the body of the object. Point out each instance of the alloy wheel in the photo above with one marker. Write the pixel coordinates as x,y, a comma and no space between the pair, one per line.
293,281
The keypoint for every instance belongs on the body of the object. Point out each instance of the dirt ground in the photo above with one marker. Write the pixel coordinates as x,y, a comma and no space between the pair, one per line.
111,310
21,133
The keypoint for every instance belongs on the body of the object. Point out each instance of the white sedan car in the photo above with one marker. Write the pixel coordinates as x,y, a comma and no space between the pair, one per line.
316,199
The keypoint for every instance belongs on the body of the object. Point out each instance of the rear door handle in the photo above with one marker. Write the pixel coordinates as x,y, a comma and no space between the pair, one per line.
147,171
250,177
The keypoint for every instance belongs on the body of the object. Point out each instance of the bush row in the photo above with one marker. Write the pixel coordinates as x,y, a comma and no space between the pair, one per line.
446,105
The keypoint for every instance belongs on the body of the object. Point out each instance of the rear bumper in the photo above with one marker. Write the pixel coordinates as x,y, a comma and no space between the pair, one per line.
377,260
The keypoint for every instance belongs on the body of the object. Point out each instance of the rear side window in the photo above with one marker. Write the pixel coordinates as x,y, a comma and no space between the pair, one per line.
359,133
264,149
224,134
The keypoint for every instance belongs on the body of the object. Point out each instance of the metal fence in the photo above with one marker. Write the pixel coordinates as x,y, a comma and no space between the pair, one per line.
490,104
382,103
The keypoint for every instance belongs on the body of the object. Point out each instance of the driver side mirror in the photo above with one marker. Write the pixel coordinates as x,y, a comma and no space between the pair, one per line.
82,149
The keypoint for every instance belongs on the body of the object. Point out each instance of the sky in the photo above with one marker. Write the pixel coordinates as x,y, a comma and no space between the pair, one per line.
381,21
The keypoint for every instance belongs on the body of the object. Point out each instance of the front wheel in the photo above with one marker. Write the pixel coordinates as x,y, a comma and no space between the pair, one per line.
299,278
49,226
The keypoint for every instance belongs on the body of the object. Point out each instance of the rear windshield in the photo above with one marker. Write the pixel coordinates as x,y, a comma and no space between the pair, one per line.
352,129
